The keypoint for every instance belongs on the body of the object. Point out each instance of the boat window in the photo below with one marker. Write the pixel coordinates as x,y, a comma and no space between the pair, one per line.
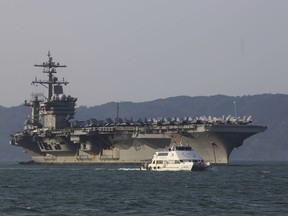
186,160
183,148
162,154
173,162
159,161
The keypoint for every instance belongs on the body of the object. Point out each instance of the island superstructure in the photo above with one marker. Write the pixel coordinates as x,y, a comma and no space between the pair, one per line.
52,136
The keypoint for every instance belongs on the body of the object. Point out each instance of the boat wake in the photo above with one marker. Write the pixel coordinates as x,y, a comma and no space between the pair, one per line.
129,169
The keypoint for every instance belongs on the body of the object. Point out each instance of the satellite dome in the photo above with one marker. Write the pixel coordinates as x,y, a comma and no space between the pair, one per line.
62,97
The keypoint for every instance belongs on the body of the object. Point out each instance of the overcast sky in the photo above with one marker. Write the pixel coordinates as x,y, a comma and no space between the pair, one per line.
130,50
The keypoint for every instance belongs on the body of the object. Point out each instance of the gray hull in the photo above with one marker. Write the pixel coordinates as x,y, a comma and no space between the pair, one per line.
213,142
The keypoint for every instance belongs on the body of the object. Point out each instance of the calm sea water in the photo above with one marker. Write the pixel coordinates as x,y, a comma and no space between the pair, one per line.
237,189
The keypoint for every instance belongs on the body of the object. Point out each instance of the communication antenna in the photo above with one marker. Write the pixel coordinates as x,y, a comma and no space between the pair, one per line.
117,113
235,109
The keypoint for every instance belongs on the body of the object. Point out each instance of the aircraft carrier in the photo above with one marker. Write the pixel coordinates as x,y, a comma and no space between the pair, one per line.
51,135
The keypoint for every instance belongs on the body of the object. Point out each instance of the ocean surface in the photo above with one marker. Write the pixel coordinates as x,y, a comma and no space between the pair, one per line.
242,188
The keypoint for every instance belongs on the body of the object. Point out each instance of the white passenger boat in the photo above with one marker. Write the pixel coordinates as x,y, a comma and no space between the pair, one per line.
176,158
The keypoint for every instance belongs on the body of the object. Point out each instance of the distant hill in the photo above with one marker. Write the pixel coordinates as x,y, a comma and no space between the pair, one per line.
266,109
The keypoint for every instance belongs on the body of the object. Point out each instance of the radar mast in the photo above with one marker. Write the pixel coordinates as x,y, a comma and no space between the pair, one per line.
49,68
58,108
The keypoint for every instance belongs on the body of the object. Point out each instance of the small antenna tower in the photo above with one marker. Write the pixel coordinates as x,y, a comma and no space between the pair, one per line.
117,113
235,109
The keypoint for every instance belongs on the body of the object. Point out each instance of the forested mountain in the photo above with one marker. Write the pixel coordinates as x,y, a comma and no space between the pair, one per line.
266,109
